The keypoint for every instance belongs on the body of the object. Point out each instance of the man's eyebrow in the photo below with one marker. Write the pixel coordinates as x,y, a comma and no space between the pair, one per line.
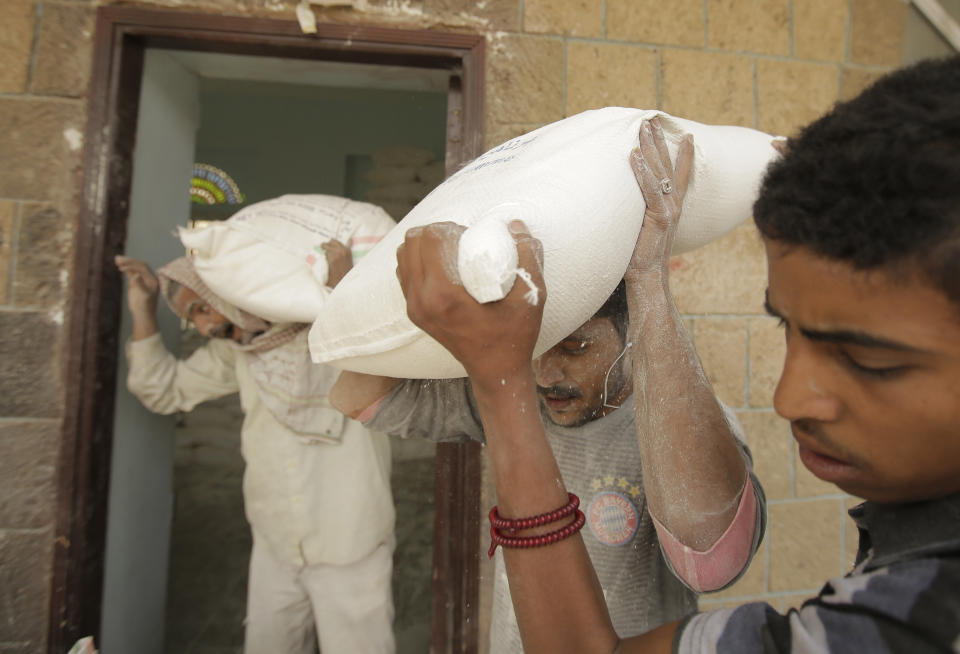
843,336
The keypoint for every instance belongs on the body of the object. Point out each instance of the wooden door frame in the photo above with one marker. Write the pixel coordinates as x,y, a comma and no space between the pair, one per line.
91,350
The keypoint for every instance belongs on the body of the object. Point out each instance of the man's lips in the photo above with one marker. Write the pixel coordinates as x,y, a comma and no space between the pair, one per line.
557,403
822,465
558,400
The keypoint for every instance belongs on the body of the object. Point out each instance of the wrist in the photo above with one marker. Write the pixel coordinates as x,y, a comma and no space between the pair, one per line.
142,331
144,325
494,384
648,286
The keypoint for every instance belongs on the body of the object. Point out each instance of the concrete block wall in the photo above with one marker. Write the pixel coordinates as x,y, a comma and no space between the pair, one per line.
768,64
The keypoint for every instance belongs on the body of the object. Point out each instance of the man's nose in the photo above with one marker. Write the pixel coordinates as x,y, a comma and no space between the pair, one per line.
547,368
204,325
807,386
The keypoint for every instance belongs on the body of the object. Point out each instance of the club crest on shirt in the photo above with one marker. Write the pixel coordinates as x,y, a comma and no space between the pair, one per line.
612,515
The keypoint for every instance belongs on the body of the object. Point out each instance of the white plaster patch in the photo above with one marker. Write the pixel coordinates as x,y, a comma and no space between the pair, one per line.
74,138
397,6
56,316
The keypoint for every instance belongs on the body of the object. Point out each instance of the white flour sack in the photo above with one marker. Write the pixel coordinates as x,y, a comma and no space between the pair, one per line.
572,184
267,258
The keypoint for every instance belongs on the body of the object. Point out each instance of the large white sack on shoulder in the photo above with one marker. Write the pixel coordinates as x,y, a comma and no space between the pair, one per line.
267,258
572,185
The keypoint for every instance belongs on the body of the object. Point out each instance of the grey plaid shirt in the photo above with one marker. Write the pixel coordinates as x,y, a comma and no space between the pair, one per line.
903,595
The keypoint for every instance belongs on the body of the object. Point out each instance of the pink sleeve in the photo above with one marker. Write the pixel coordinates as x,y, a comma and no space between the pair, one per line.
367,413
719,565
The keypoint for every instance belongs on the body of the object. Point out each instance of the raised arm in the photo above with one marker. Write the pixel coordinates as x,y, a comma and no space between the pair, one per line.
694,469
143,288
161,382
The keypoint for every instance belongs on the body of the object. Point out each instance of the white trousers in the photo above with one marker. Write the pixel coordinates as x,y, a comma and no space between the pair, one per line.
348,608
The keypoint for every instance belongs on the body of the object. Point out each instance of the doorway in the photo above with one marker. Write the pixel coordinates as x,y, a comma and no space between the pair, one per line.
127,40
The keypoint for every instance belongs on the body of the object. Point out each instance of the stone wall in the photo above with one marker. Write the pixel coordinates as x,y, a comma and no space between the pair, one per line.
44,63
769,64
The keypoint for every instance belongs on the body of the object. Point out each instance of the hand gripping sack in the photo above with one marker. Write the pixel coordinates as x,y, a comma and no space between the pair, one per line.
572,184
267,258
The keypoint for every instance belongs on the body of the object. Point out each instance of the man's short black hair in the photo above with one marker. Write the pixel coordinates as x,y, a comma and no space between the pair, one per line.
875,182
615,308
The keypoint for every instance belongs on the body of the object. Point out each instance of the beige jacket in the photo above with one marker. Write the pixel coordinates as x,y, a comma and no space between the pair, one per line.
310,502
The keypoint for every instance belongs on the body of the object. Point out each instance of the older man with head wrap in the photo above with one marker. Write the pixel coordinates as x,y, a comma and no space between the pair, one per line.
316,485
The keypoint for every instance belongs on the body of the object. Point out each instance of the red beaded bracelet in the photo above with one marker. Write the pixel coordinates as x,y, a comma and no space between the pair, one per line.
512,526
536,541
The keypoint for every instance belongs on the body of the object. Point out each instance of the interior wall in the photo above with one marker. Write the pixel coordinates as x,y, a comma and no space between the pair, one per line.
141,496
283,138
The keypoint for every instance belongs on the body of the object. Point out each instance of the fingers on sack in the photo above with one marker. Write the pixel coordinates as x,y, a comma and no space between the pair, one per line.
660,143
529,251
409,270
681,176
440,259
651,155
781,144
647,179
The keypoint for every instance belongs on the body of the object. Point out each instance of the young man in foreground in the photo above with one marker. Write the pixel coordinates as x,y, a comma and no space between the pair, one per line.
861,224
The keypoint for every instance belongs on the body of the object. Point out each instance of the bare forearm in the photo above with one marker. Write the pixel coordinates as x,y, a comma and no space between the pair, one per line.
556,595
693,468
519,452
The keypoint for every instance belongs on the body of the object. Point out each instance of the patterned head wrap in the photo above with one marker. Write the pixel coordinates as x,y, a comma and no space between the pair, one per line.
255,338
288,382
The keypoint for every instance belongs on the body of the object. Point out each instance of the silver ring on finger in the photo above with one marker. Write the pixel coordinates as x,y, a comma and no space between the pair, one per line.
666,185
